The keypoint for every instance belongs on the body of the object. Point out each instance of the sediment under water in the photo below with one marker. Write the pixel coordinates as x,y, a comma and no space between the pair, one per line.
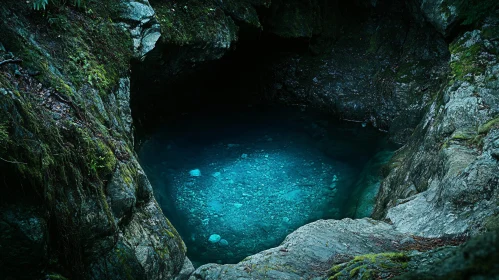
237,183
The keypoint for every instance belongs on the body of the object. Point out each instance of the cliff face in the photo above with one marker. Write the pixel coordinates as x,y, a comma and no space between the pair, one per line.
444,181
75,200
380,69
76,203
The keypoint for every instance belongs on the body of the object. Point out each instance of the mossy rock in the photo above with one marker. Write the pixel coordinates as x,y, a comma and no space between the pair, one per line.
191,22
486,127
371,266
467,63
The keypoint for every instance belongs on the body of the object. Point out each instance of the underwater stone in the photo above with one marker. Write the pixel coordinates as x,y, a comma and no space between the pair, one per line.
223,242
244,155
195,173
214,238
216,174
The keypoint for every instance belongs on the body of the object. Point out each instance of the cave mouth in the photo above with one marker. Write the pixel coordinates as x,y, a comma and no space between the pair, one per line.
235,169
236,182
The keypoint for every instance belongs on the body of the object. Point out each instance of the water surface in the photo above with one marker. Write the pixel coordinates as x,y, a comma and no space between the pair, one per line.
237,183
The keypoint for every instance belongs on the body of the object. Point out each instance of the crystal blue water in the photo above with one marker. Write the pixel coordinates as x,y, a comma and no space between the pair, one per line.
237,183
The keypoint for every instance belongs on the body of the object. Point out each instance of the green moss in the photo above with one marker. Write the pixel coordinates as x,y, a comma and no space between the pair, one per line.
56,277
123,259
4,135
163,252
477,141
89,50
486,127
335,269
193,21
169,233
60,158
355,271
463,136
370,266
468,64
373,257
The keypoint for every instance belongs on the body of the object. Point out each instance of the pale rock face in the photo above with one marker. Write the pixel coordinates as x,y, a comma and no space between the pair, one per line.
140,19
442,14
452,162
311,251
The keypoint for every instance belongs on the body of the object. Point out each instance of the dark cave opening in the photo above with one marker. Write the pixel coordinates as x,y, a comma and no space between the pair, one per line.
236,167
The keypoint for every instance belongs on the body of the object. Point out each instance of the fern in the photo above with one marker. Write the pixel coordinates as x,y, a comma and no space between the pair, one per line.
42,4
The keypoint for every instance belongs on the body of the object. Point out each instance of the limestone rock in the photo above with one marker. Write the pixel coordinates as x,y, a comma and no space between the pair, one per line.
139,18
445,180
442,14
310,251
186,271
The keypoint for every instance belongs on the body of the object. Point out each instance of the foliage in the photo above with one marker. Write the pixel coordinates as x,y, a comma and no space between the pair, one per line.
42,4
4,136
474,11
77,54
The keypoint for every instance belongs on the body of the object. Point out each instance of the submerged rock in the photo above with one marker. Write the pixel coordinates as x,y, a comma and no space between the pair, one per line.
214,238
195,173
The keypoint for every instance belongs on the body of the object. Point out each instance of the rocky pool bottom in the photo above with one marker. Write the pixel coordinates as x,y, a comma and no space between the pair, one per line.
236,183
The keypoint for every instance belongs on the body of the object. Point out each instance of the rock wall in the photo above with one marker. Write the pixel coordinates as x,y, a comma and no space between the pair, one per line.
75,202
381,69
444,181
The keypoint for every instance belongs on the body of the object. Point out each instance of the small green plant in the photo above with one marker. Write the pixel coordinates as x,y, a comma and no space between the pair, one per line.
42,4
58,21
95,165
